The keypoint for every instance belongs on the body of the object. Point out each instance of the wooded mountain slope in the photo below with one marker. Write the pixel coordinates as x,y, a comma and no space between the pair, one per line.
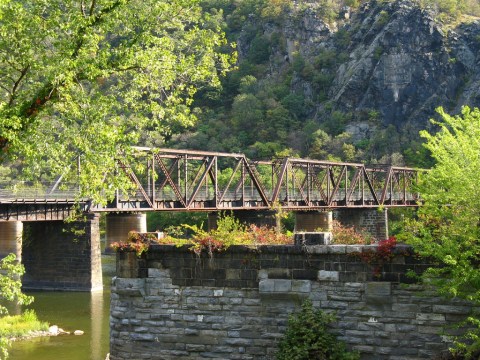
328,81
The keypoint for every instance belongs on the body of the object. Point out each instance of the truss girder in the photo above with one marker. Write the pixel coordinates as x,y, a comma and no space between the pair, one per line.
291,183
187,180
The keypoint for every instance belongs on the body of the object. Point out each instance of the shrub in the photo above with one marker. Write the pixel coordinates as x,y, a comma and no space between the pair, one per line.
138,242
309,337
347,235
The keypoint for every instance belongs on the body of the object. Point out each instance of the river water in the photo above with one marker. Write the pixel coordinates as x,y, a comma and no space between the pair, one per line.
71,311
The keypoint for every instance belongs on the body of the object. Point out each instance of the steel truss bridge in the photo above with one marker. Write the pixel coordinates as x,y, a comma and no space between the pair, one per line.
187,180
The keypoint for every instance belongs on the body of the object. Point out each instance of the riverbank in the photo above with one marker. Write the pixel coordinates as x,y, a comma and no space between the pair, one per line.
24,326
71,310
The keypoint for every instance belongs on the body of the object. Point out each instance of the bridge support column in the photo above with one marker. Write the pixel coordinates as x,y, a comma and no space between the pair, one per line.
119,225
63,256
248,217
313,221
11,238
374,221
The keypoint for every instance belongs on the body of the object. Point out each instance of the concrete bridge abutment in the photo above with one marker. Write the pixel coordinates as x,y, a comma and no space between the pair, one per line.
117,227
11,238
63,256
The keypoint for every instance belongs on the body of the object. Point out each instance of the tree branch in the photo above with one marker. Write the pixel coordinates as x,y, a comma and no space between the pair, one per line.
82,8
17,84
92,7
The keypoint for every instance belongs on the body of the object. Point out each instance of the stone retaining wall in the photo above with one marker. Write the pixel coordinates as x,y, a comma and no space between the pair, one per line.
171,304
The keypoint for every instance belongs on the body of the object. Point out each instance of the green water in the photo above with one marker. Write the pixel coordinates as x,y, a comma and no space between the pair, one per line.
71,311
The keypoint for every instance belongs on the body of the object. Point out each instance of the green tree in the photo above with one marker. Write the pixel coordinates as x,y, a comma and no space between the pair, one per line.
247,111
88,78
447,229
10,291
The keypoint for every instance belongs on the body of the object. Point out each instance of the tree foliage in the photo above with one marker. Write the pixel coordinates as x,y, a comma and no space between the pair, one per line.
89,78
447,229
10,291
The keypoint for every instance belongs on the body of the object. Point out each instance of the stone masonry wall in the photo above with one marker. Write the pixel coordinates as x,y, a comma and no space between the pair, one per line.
171,304
62,256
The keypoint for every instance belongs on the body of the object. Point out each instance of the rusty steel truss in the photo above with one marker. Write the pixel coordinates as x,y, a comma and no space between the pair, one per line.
186,180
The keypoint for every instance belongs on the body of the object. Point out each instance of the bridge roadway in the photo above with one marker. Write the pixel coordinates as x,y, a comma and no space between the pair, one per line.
187,180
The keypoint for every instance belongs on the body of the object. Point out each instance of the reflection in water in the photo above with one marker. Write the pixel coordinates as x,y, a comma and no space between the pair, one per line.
96,311
71,311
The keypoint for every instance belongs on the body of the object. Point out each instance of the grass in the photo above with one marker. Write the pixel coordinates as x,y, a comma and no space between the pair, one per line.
21,325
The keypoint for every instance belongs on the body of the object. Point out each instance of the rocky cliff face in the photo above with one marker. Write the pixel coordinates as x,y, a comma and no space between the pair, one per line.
392,58
403,64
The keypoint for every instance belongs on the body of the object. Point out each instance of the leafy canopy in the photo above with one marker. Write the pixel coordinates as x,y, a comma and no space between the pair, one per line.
91,78
447,228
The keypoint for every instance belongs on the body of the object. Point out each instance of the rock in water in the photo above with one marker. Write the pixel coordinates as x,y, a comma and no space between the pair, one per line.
53,330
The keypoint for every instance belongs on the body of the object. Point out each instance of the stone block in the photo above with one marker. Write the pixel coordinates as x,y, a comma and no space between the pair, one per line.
378,292
278,273
266,286
430,317
452,309
301,286
337,249
130,287
324,275
282,285
312,238
160,273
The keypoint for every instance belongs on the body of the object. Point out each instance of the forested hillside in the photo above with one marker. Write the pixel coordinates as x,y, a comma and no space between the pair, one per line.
346,80
350,81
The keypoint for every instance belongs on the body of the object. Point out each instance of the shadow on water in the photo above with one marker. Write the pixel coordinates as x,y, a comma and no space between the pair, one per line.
71,311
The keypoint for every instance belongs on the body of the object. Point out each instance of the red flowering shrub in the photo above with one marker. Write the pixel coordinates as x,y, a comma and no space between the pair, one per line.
381,255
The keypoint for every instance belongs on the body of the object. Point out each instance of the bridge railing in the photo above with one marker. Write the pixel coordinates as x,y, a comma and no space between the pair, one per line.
30,191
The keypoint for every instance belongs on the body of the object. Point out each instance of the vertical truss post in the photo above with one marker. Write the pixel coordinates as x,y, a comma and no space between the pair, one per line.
242,181
79,169
149,176
215,183
309,184
153,181
185,165
328,185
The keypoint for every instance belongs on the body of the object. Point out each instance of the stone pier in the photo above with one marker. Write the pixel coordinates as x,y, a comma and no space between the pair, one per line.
374,221
313,221
11,238
62,256
119,225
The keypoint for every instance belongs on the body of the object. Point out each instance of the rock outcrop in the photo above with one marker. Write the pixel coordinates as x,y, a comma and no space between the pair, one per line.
394,58
404,64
